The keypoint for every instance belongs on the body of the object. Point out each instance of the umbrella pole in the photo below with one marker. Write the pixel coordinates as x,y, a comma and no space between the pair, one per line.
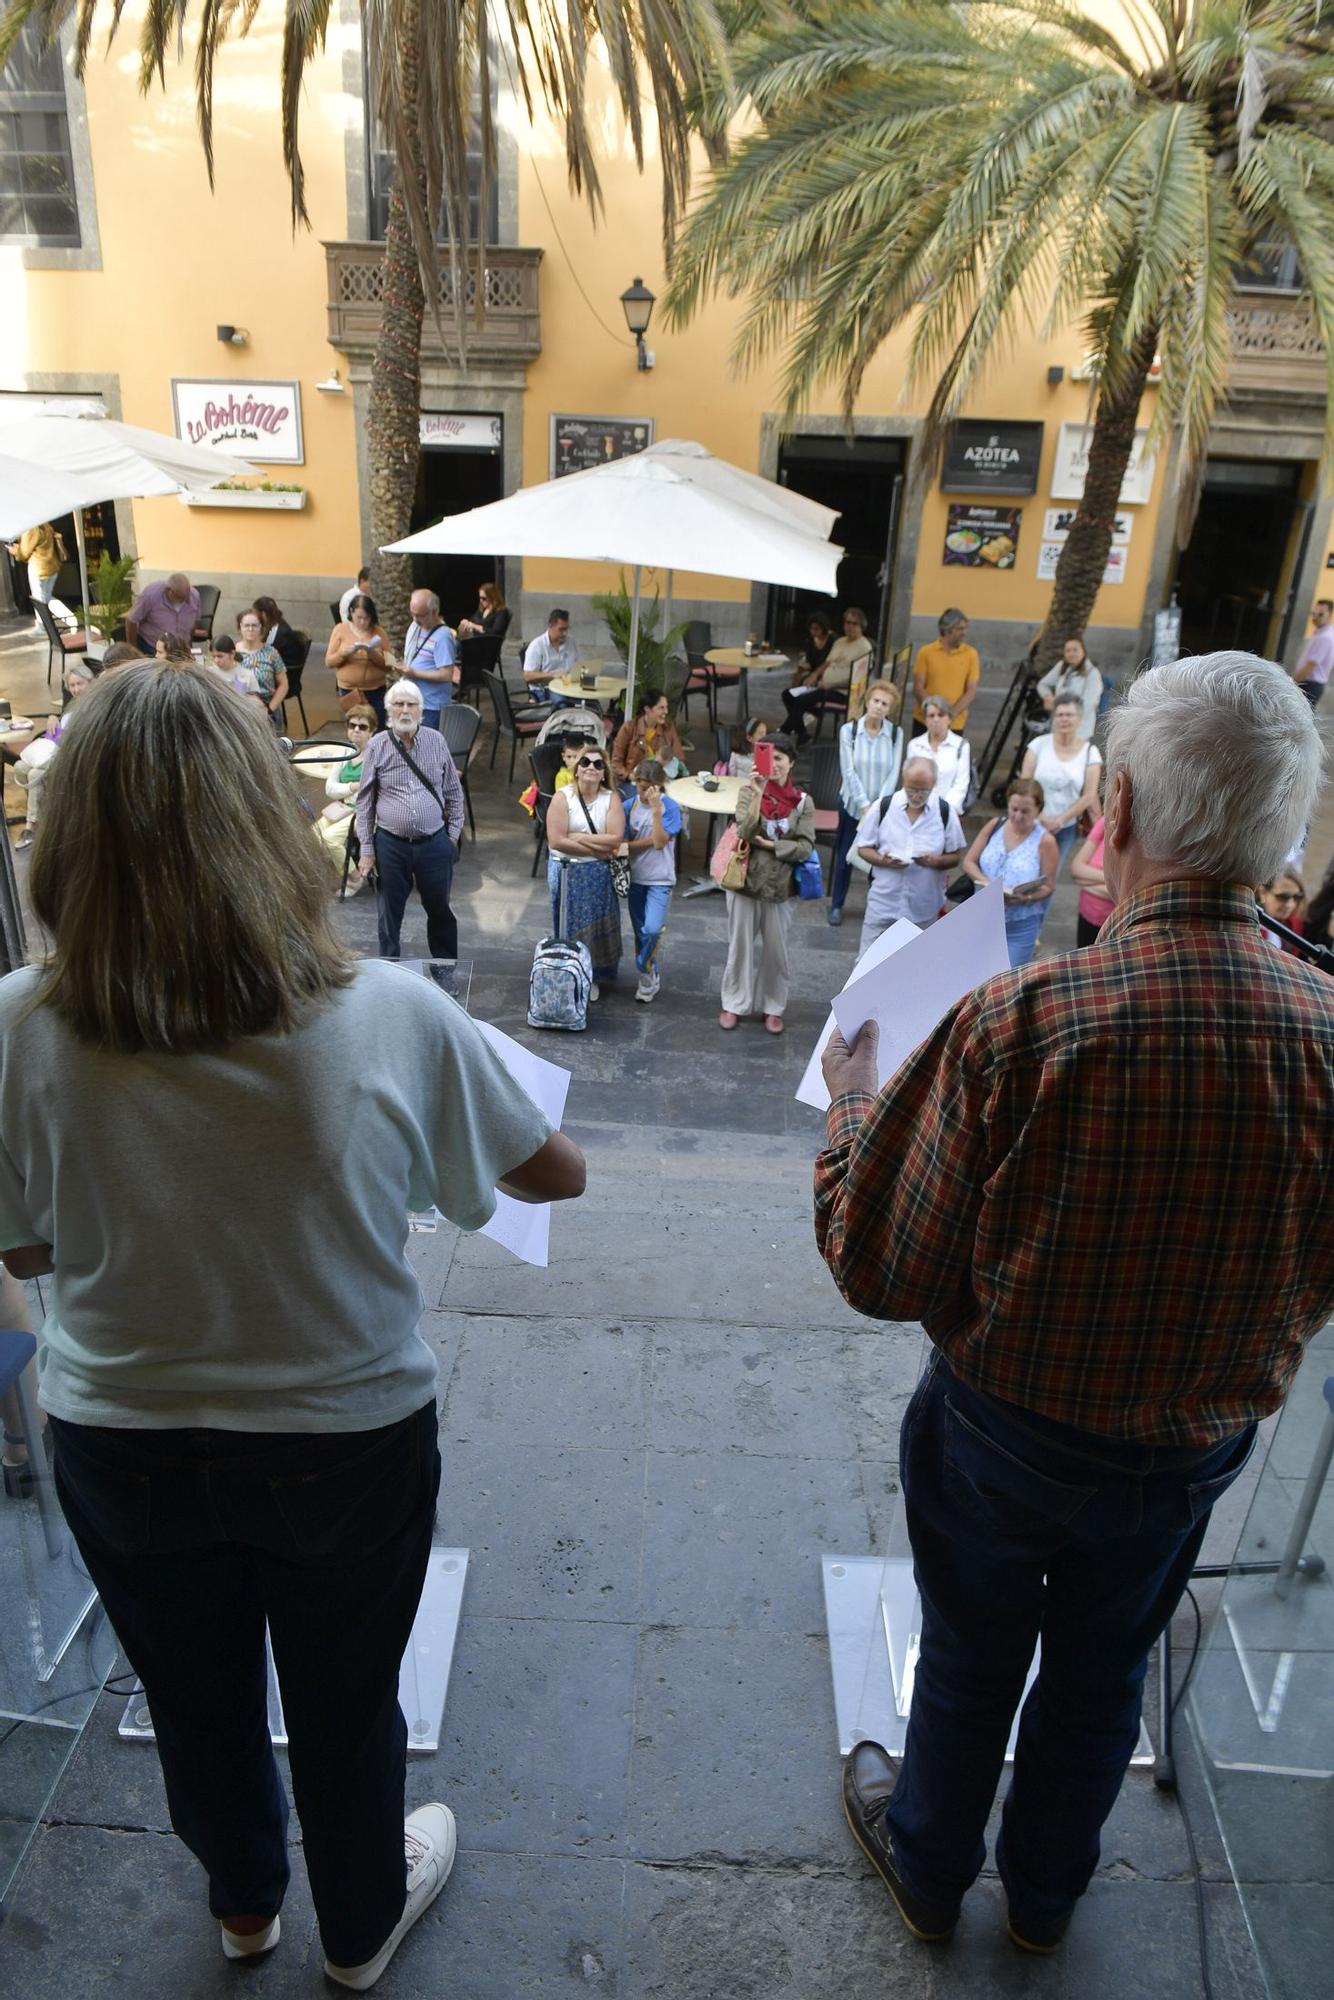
83,572
633,649
667,614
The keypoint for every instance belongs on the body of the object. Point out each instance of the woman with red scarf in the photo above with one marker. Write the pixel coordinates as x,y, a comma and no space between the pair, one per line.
775,825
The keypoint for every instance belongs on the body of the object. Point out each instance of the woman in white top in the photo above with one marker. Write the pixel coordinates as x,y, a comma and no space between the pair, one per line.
585,827
1068,772
1074,674
206,1111
953,758
869,753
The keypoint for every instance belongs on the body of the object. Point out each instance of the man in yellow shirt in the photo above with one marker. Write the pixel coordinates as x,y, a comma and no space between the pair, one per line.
948,668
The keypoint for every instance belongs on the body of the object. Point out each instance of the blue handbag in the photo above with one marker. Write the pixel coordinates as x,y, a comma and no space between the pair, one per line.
808,877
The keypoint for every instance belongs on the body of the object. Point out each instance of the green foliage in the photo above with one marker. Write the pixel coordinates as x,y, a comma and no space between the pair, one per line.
971,173
112,585
616,608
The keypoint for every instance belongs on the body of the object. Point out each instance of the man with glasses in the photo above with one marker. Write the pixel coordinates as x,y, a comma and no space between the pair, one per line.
845,671
409,822
430,657
910,842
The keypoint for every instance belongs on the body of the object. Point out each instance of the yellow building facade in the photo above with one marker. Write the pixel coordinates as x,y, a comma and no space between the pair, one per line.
121,292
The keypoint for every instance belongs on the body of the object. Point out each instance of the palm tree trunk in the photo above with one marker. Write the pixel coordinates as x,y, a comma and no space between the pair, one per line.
393,431
1084,557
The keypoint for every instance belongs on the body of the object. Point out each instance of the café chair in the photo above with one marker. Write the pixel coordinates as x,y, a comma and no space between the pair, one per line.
295,675
545,761
517,724
826,782
209,595
60,645
477,656
459,725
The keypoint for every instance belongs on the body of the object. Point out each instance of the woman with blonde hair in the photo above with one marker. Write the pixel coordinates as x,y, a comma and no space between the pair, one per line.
203,1107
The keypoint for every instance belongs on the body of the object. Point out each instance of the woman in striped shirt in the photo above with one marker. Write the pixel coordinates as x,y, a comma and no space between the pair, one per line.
869,753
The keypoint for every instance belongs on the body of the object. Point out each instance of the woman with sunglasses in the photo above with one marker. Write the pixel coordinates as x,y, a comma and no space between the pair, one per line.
341,788
1284,898
585,826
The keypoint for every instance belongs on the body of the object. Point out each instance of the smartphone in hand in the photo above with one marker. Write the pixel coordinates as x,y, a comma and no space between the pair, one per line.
764,760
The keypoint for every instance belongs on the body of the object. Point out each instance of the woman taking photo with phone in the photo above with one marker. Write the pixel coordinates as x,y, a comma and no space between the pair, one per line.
775,828
204,1108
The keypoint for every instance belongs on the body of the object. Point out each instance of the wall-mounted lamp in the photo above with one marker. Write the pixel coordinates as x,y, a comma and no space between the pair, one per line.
233,336
1055,377
332,385
638,303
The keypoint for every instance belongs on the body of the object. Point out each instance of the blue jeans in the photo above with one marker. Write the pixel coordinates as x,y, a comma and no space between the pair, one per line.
1023,1528
1066,840
1023,921
194,1538
430,864
649,903
841,874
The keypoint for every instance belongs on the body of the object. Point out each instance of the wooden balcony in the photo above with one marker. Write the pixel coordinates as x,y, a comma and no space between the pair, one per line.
1276,349
510,328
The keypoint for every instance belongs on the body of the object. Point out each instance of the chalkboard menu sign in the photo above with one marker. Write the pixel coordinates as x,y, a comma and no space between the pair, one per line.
983,457
578,443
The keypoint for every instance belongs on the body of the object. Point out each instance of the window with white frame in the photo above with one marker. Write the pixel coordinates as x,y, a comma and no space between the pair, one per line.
38,198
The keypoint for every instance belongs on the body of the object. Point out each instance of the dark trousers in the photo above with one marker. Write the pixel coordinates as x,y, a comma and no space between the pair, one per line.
373,698
841,877
1312,690
801,708
194,1538
430,864
1086,933
1022,1528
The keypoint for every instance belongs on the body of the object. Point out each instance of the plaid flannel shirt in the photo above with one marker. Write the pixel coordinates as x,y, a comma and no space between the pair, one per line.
1104,1184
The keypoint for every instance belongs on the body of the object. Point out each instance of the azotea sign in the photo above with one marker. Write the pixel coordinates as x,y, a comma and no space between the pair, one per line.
259,420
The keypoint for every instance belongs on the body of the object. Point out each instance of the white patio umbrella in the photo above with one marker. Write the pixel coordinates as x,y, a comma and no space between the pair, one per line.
102,460
674,506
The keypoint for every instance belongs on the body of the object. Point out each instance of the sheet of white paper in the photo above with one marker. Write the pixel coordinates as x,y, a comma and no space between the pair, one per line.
907,996
811,1090
520,1226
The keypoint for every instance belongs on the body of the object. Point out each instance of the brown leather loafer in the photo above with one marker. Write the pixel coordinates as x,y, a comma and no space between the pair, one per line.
869,1777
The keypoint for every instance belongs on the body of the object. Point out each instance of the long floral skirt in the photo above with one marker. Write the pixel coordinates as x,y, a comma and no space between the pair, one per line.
592,911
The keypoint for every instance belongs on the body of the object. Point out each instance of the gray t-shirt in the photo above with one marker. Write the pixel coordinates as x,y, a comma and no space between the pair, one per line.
229,1229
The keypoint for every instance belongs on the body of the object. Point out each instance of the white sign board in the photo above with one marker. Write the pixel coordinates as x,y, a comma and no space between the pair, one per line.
458,430
1049,554
259,420
1072,464
1058,521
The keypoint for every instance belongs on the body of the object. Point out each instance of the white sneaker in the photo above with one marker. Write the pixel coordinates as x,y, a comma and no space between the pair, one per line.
236,1946
595,991
644,990
430,1842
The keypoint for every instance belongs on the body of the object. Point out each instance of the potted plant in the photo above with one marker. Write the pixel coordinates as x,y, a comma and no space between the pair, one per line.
112,585
658,661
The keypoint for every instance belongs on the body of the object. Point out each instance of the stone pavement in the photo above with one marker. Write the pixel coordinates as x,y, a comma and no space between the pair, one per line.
647,1449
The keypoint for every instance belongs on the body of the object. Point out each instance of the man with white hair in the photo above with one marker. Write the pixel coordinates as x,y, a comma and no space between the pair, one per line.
409,822
909,841
430,657
1062,1184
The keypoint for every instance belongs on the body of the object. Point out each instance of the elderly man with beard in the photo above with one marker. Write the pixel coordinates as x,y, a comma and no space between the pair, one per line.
409,822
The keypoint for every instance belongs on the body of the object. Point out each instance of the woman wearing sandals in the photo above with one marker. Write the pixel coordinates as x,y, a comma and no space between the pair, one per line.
585,826
775,825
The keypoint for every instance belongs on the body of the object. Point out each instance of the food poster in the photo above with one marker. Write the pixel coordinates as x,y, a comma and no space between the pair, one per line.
982,537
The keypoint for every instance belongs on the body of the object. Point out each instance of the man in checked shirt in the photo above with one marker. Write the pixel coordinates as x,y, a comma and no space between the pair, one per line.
1062,1183
409,822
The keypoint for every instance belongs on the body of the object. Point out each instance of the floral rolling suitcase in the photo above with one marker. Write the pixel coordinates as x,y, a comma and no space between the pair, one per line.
559,984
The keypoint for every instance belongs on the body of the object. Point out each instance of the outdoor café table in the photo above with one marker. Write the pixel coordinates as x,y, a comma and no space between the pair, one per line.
316,761
605,688
691,796
736,660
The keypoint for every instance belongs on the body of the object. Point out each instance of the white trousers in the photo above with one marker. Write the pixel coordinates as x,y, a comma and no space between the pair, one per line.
755,980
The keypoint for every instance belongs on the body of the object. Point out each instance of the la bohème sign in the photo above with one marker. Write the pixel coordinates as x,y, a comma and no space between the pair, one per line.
260,420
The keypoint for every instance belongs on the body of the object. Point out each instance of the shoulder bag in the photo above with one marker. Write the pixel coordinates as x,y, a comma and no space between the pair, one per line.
619,863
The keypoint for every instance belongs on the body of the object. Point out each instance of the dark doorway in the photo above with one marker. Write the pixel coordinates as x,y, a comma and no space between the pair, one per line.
450,482
1231,575
863,480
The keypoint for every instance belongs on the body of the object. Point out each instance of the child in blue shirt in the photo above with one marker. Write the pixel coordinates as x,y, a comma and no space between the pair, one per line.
651,825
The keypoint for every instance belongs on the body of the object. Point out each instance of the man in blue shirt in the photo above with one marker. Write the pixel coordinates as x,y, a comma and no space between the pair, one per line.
430,657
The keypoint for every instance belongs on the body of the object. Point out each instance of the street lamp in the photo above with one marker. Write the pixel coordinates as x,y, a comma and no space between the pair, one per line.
638,302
